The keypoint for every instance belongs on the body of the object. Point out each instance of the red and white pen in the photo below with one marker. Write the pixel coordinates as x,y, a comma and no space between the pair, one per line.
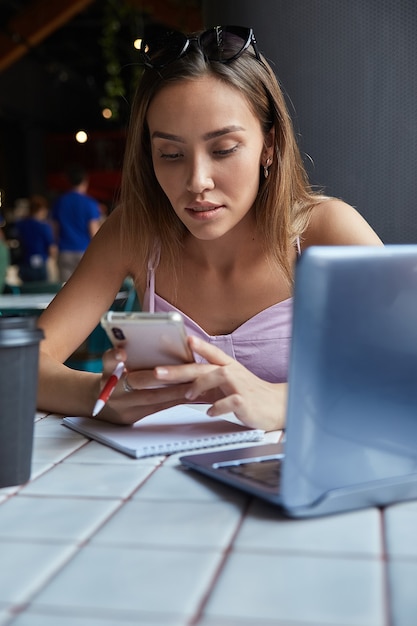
108,388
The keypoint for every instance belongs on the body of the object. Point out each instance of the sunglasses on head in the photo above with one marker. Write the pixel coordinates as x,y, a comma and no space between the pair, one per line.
221,43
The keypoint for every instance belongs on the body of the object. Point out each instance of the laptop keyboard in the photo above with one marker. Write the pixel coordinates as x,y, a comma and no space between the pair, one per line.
266,472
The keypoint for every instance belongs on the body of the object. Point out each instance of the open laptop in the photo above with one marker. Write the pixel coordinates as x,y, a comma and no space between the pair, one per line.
351,433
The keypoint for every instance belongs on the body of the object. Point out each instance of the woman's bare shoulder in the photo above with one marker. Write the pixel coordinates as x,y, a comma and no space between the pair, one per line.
110,236
113,245
334,222
112,225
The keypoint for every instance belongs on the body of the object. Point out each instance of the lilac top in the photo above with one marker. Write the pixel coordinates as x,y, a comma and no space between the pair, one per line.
261,344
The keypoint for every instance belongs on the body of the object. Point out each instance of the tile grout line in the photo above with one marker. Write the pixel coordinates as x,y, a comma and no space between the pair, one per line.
225,555
77,546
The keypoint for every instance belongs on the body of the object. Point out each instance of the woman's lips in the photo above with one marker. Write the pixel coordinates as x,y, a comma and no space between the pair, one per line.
204,212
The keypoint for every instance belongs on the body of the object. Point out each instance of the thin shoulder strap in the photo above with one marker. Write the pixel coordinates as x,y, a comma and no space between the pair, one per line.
153,263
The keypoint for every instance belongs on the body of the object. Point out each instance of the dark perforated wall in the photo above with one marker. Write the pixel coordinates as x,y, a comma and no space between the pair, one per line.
349,68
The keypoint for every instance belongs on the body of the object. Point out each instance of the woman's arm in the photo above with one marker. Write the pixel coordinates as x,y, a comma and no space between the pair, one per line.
70,318
68,321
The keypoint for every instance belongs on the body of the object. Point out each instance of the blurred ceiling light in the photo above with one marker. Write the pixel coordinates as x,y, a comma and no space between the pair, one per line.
107,113
137,44
81,136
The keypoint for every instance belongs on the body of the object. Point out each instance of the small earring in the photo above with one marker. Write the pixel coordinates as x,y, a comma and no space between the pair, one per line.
266,167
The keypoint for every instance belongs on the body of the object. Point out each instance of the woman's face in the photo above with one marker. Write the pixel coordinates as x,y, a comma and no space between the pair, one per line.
207,148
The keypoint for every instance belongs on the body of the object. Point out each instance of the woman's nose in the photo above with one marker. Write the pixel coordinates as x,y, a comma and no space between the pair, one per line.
200,176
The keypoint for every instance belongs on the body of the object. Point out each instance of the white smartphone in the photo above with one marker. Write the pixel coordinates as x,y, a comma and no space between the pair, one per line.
150,339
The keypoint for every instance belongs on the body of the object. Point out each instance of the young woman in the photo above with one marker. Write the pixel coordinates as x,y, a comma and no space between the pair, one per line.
215,207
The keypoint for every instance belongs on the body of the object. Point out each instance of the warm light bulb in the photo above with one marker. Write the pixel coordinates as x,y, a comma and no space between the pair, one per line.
107,113
81,136
137,44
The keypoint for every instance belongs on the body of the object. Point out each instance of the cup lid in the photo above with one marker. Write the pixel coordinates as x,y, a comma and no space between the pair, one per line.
18,330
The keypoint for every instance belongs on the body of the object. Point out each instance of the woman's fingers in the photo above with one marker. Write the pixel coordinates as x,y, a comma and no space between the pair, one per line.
209,352
190,372
138,393
111,358
128,406
229,404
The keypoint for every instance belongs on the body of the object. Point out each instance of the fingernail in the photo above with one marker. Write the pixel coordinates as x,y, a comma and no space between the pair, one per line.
189,394
118,356
161,372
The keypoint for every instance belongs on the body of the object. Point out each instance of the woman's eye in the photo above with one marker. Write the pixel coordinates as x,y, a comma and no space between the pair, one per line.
170,156
226,151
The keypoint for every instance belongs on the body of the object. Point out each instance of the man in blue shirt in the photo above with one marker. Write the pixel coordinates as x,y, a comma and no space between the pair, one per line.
36,240
77,219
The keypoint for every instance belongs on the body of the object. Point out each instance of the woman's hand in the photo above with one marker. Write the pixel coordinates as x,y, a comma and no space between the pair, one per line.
230,386
222,381
138,393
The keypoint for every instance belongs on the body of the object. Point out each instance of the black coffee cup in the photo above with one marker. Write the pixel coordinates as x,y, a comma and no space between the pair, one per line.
19,356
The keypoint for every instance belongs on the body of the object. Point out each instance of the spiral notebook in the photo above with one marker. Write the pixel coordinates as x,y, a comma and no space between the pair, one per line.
177,429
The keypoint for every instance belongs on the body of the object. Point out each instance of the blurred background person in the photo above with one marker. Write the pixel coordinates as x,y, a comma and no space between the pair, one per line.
77,218
37,242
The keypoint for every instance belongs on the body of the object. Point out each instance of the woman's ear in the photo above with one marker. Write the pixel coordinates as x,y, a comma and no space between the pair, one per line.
269,143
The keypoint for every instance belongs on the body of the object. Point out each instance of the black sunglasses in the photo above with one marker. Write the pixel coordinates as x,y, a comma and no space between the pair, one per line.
221,43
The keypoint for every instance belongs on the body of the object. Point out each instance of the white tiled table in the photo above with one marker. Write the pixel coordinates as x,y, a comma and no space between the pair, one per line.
99,539
34,301
24,301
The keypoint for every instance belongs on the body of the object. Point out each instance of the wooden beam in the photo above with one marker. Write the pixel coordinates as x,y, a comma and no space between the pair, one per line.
35,23
42,17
